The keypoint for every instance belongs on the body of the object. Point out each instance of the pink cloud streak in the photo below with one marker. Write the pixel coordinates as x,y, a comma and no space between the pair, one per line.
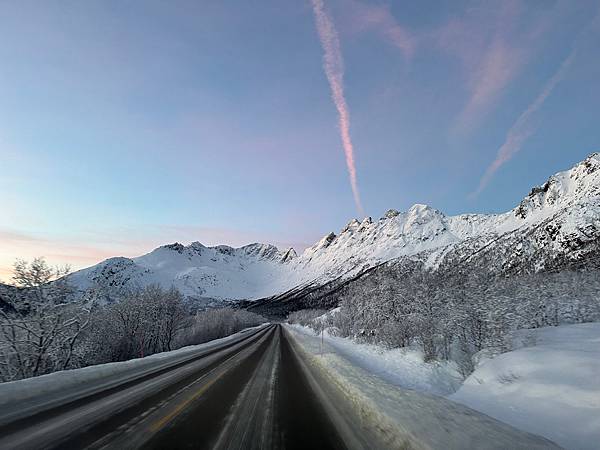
486,42
333,65
500,65
378,18
495,44
522,128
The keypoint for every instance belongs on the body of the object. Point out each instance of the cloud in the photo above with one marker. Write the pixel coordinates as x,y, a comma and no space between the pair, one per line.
499,66
333,65
492,52
379,19
522,129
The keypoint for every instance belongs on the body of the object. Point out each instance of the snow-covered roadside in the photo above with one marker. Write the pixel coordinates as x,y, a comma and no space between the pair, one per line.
401,367
550,386
402,418
68,382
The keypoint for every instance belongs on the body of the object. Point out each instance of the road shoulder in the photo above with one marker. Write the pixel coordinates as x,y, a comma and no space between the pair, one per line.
400,418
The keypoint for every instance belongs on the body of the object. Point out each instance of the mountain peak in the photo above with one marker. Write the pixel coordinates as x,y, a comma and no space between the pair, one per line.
420,208
564,188
419,214
365,223
390,213
593,158
351,226
176,247
568,206
289,255
265,251
325,241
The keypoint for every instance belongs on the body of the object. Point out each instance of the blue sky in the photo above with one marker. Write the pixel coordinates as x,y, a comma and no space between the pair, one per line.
126,125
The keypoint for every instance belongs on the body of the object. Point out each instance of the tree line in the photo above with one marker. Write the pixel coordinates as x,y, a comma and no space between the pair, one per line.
46,325
453,315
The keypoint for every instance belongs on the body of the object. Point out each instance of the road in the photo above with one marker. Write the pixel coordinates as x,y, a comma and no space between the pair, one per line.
247,393
258,389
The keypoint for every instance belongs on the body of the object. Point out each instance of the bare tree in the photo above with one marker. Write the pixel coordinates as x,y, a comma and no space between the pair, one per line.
217,323
41,332
144,322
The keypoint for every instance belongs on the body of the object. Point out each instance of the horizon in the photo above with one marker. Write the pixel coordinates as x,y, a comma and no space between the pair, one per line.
125,128
298,247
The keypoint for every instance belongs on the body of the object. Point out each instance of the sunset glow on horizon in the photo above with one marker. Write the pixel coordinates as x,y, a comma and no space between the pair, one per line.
126,126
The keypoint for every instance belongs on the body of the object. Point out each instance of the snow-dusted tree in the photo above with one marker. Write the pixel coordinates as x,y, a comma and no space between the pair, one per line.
579,295
465,304
144,322
217,323
41,332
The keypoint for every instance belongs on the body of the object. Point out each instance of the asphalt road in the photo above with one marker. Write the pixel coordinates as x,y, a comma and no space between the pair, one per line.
246,394
253,390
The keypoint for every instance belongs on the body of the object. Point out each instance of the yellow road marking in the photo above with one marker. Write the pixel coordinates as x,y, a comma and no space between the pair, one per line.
156,426
166,419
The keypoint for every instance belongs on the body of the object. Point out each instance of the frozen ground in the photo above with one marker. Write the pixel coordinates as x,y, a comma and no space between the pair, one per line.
551,386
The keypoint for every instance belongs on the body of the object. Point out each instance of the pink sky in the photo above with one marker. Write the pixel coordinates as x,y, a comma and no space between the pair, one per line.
90,250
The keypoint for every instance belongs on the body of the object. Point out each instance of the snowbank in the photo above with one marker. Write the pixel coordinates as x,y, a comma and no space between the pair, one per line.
401,367
57,387
551,387
402,418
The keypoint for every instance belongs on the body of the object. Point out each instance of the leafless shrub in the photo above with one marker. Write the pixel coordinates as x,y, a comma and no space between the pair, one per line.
42,330
145,322
217,323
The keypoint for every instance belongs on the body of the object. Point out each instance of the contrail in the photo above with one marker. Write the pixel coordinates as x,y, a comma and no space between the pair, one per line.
333,65
522,128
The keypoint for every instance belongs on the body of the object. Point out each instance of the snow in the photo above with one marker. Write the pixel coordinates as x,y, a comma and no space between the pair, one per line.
550,386
197,271
403,418
401,367
68,381
260,270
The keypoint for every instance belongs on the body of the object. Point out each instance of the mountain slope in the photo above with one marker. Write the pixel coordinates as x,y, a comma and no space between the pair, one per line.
556,222
199,272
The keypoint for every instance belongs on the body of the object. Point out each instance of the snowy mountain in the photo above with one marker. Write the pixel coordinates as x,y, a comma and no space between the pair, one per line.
199,272
558,221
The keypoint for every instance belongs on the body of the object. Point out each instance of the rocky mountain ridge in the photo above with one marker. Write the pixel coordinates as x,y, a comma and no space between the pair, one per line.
559,220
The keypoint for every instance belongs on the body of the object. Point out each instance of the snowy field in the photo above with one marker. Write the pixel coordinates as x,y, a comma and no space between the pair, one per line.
549,385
